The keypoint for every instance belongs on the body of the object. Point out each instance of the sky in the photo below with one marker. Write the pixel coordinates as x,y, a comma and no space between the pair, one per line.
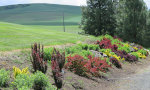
65,2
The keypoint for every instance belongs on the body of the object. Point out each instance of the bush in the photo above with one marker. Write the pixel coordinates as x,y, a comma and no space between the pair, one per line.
142,51
95,65
93,47
90,67
4,77
126,56
76,64
106,44
37,58
115,62
40,81
17,71
124,48
135,54
83,53
24,88
22,81
58,61
48,53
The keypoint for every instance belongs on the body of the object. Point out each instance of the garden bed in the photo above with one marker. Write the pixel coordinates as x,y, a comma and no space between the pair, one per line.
98,64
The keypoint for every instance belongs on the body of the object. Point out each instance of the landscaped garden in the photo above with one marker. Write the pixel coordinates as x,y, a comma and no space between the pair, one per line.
45,68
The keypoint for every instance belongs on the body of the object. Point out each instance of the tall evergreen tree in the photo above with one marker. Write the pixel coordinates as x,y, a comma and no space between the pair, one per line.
131,20
146,38
98,17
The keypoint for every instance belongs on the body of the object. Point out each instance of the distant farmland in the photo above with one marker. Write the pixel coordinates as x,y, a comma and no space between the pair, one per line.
40,14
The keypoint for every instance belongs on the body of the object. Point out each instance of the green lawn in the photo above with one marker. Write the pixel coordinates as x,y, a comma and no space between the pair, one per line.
14,36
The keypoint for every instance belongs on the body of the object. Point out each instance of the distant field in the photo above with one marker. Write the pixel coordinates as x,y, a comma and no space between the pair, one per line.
14,36
40,14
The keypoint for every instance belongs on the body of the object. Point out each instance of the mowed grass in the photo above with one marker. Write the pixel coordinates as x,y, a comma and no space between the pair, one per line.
14,36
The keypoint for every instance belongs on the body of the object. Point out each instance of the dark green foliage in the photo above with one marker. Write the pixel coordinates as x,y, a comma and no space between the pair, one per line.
98,17
40,81
131,20
4,77
147,32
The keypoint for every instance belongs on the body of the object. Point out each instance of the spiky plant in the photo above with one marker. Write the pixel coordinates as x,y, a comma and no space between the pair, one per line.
37,58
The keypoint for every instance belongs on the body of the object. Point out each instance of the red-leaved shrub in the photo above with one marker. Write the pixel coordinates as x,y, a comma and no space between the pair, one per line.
106,44
90,67
37,58
95,65
76,64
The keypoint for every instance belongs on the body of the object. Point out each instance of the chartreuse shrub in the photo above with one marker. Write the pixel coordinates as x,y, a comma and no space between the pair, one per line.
93,47
4,77
83,53
73,49
108,37
124,48
135,54
142,51
84,46
22,82
138,55
48,53
89,46
17,71
41,81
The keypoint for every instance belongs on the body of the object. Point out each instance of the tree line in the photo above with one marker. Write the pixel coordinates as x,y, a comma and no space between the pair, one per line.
127,19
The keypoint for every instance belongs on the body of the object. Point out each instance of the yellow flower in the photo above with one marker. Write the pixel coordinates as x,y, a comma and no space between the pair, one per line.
123,59
135,48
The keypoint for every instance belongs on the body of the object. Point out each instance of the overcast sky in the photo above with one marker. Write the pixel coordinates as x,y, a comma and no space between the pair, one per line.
66,2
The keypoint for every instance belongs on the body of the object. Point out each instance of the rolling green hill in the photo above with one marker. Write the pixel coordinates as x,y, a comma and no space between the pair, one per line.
40,14
14,36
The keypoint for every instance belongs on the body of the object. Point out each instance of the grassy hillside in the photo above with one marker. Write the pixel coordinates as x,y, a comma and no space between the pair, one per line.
40,14
14,36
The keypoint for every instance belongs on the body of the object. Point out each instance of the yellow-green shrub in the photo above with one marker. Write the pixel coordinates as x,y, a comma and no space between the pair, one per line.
17,71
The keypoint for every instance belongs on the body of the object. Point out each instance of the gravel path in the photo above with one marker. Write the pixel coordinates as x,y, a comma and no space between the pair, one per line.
139,81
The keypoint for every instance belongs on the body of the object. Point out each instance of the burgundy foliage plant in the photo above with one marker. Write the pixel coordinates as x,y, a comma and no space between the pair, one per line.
37,58
58,61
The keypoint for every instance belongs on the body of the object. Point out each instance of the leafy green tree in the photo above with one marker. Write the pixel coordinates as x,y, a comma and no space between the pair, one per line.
98,17
131,21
